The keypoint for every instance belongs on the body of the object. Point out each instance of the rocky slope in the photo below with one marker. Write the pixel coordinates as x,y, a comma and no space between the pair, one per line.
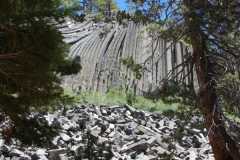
113,132
101,46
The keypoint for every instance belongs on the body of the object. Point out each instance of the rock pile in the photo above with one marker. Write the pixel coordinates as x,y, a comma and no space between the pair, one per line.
117,133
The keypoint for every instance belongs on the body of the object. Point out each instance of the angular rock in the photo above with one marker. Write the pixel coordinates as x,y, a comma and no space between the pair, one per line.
65,137
116,132
54,154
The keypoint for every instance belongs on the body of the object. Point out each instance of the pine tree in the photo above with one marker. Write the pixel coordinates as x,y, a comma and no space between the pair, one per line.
31,50
212,30
107,7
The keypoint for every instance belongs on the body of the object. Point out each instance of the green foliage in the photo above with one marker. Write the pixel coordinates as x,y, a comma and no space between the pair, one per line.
117,96
135,68
35,130
171,91
122,15
154,28
78,18
130,97
232,116
228,89
72,8
157,105
139,17
113,96
101,4
25,10
104,9
30,55
99,17
70,66
179,92
139,2
70,4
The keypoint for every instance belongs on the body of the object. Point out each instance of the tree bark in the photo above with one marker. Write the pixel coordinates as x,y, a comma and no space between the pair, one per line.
224,148
7,56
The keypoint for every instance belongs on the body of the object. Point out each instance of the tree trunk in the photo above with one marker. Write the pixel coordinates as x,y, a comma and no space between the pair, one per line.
224,148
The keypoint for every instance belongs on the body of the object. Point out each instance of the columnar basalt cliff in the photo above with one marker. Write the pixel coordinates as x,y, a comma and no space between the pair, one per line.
101,47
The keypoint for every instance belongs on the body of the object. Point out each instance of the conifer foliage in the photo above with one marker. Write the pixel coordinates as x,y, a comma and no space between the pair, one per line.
31,50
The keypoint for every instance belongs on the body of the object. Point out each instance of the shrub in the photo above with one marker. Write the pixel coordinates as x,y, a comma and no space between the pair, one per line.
228,88
134,67
118,96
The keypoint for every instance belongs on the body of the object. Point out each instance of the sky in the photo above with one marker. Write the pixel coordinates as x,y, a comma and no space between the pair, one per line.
122,4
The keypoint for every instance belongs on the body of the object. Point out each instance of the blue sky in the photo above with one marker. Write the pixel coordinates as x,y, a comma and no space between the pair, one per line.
122,4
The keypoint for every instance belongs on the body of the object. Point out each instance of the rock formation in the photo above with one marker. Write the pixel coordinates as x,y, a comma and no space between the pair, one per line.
101,46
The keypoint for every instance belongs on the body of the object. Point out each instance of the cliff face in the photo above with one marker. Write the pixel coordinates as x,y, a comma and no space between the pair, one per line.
101,46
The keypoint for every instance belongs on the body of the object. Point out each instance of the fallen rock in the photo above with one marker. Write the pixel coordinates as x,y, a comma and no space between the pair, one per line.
115,132
54,154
